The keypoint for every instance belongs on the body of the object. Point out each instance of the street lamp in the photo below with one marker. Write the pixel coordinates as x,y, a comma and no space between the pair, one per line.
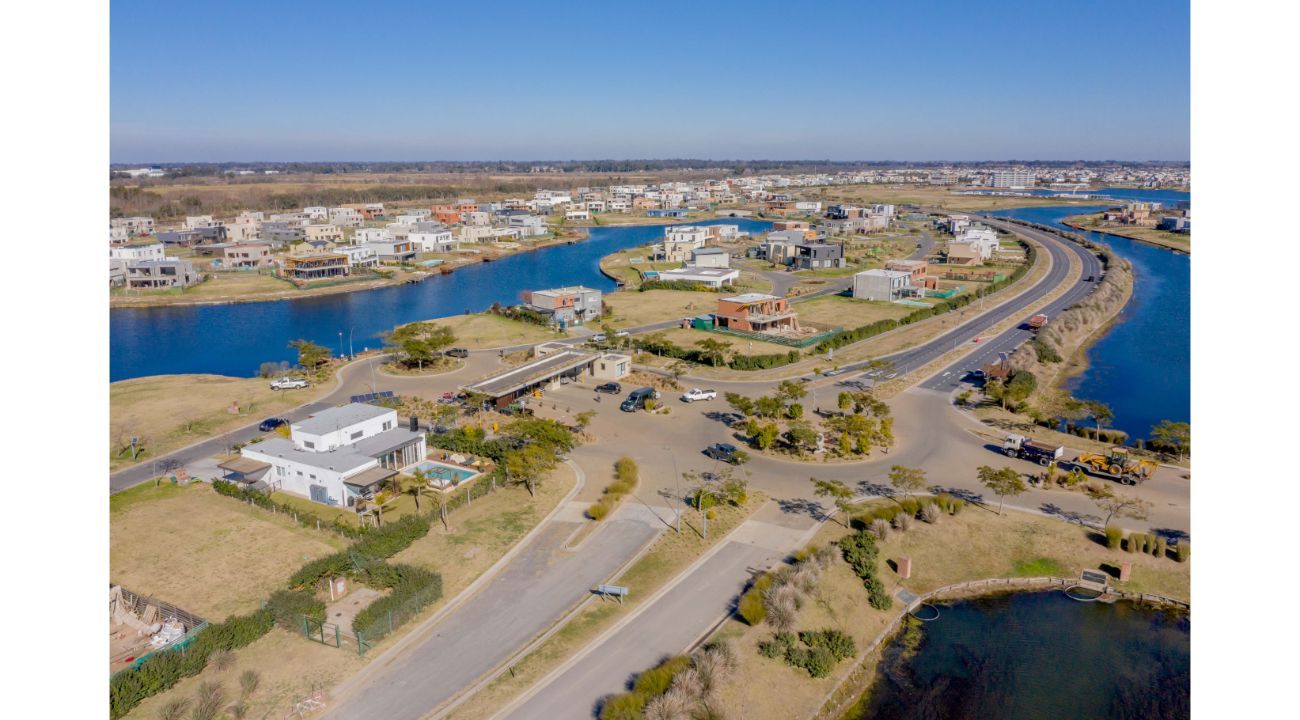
340,344
678,478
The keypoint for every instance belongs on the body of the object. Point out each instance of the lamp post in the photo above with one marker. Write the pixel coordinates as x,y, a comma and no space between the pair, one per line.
678,478
340,344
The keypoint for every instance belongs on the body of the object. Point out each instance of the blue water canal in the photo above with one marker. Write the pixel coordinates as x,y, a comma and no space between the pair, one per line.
1141,367
235,339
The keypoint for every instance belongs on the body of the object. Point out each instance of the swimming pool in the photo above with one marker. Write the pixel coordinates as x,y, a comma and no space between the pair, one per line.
444,475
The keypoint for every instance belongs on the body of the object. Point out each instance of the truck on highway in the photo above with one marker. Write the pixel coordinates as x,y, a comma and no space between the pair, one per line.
1037,322
1041,453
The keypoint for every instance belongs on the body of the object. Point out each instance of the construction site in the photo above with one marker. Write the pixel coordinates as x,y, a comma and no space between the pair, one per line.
140,626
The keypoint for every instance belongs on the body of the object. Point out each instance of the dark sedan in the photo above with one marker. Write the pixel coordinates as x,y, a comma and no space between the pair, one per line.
270,424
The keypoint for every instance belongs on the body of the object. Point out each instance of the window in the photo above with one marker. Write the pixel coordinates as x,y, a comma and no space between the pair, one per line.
279,470
308,444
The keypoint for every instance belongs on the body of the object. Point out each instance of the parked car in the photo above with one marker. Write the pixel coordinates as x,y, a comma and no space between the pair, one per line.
288,384
636,399
610,388
731,419
270,424
598,337
622,333
726,452
457,353
697,394
833,372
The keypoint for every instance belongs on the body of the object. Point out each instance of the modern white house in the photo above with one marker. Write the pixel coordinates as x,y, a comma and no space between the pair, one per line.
333,457
346,216
528,225
365,235
433,241
359,255
983,241
137,252
568,305
713,277
882,285
316,212
710,257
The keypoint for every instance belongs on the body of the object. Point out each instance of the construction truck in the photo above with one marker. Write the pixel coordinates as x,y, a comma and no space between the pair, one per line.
1041,453
1037,322
1117,464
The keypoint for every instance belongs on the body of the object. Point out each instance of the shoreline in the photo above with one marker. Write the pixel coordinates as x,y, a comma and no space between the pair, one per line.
407,278
1069,221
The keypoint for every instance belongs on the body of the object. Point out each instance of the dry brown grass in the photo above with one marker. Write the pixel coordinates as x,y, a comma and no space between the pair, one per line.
206,553
292,667
845,312
148,407
936,197
485,330
631,309
976,544
1163,238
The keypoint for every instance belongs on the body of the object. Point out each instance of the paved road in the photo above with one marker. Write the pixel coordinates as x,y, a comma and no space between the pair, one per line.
675,620
530,595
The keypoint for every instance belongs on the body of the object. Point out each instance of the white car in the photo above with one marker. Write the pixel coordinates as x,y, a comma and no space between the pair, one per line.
622,333
697,394
598,337
288,384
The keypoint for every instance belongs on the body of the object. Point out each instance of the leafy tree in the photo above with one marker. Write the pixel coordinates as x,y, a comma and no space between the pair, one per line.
1021,387
906,480
884,434
676,370
1002,483
527,464
420,343
310,355
801,436
1100,413
766,436
838,493
789,391
997,392
713,351
1121,506
794,411
845,402
740,403
1174,435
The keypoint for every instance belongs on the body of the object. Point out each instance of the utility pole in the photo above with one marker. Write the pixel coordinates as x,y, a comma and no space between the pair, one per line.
678,477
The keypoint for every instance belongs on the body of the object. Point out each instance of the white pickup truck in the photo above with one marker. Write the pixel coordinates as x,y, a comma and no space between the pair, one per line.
288,384
697,394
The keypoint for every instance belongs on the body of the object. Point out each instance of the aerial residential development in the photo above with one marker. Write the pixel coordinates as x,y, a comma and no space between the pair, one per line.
519,362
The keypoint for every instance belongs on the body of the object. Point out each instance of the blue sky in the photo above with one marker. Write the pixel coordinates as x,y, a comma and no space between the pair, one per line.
390,80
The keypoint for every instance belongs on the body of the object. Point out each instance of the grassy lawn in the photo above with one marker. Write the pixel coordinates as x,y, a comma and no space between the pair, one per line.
291,667
627,265
688,337
848,313
203,552
485,330
927,196
975,544
147,408
633,308
668,556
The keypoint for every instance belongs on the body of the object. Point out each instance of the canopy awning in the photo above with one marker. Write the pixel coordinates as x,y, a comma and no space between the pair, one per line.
244,465
369,478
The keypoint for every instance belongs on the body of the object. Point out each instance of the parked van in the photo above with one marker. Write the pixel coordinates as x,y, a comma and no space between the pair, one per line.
635,400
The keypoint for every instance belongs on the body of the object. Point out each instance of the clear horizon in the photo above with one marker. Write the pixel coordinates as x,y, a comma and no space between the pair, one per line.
232,81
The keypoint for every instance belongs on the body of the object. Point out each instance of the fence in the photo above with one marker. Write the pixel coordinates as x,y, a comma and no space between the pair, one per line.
779,339
137,604
848,687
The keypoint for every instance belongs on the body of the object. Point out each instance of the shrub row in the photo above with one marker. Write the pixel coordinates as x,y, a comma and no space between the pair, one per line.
158,673
860,552
625,474
288,607
1114,437
378,543
680,285
413,589
818,654
763,362
679,687
305,518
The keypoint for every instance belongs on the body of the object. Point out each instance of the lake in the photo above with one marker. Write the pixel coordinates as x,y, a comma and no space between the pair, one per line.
1141,367
235,339
1037,655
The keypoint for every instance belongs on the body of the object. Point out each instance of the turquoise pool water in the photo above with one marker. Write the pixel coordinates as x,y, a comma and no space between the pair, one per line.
443,474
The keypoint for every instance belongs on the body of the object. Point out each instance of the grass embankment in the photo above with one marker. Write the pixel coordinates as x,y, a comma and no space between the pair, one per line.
668,556
972,545
148,409
248,287
191,547
1163,238
291,667
478,331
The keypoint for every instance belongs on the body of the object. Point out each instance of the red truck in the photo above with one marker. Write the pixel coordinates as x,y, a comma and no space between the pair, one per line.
1037,322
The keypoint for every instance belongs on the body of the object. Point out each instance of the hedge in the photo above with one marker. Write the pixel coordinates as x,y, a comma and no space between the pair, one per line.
305,518
860,552
413,589
158,673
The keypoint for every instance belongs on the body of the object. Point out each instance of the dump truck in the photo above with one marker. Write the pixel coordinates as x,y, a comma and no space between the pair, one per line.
1037,322
1117,464
1032,450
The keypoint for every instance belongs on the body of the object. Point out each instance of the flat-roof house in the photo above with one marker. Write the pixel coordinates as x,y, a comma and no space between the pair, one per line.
362,256
432,241
334,456
713,277
365,235
882,285
137,251
346,216
572,305
393,251
813,256
330,232
963,254
710,257
528,225
551,365
156,274
247,255
282,232
918,269
317,266
756,312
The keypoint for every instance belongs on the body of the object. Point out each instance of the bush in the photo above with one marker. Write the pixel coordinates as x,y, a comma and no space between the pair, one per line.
658,679
880,528
944,501
598,510
751,608
957,505
626,470
910,505
903,521
931,513
1183,551
877,596
412,589
289,606
625,706
1135,542
818,661
1162,547
1114,536
840,645
778,646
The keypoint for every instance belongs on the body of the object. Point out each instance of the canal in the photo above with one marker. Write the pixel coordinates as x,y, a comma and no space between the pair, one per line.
1032,656
234,339
1141,367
